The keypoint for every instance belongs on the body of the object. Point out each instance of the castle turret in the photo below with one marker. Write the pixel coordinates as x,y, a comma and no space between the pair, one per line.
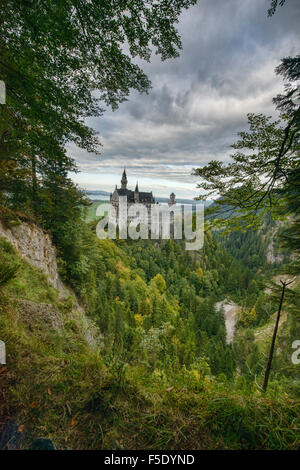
172,199
124,180
136,193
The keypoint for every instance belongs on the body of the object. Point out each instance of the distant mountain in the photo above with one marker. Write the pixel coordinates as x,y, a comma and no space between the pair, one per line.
183,201
97,193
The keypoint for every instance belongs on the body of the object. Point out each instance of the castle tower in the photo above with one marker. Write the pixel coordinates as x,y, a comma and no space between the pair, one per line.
124,180
136,193
172,199
171,202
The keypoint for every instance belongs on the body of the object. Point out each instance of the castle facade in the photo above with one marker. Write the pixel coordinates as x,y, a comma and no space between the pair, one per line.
133,197
149,216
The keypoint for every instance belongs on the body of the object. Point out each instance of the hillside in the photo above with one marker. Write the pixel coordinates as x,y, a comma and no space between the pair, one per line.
146,365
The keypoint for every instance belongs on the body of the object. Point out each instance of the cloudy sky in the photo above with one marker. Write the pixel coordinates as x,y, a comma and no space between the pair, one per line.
198,102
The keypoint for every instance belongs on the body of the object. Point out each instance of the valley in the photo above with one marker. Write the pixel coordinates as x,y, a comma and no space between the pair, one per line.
152,326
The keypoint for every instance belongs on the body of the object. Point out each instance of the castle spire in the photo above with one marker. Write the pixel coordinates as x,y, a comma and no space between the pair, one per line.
136,188
124,180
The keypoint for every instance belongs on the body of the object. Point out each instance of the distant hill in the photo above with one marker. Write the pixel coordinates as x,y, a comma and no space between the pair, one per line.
98,195
183,201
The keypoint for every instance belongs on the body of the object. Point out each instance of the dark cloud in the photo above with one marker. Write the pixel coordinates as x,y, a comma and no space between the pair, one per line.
199,102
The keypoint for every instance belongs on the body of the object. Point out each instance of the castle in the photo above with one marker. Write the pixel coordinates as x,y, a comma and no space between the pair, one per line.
136,197
133,197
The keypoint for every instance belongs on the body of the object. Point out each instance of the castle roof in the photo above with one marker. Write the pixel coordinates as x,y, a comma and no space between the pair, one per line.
126,192
143,196
132,195
146,197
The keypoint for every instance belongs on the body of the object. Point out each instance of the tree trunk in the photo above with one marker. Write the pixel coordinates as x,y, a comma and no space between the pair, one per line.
34,185
269,364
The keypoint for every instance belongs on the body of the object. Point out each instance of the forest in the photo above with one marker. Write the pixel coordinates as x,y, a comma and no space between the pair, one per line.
130,348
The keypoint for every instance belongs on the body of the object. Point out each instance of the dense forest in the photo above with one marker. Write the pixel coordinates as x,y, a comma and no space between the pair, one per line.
159,347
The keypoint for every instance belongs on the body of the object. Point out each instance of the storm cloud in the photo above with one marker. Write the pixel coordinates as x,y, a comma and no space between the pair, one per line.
199,101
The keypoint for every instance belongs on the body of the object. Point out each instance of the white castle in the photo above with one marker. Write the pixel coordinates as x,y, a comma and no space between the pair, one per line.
136,214
133,197
149,211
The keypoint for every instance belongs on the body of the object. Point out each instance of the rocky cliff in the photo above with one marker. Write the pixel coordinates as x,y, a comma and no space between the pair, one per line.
35,245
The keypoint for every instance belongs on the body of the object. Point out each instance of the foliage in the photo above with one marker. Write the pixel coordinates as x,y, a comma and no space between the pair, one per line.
147,364
8,269
247,187
62,63
290,237
158,363
273,6
251,185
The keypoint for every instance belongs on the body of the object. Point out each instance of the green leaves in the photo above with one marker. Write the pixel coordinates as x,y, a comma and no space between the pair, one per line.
248,185
274,5
63,62
55,54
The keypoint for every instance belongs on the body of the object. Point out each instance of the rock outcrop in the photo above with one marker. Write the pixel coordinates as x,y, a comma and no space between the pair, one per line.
34,244
35,314
271,256
230,313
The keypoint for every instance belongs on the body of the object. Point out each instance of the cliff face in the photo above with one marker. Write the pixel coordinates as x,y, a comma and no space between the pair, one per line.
50,347
273,257
35,245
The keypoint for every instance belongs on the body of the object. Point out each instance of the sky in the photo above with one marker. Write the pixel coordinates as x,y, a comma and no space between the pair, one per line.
198,102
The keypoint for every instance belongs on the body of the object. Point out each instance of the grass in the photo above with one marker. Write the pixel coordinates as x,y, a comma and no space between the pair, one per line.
49,374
